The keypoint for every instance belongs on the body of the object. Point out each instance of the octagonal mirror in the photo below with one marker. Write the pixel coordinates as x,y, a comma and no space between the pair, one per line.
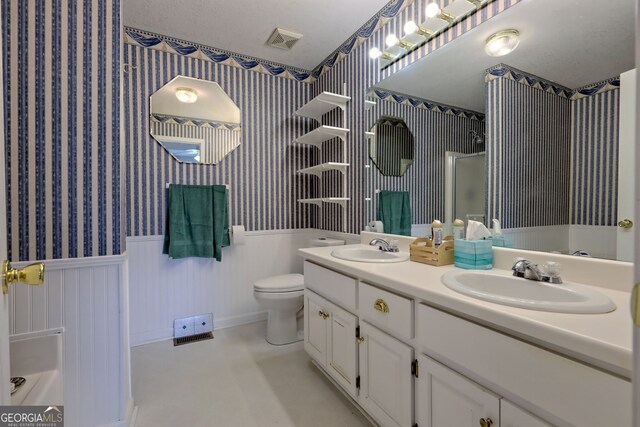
391,146
195,120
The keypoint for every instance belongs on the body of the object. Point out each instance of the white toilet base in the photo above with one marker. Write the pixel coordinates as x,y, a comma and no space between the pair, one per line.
282,327
282,307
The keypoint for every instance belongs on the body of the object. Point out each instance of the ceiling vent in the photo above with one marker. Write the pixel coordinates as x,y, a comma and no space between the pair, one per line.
283,39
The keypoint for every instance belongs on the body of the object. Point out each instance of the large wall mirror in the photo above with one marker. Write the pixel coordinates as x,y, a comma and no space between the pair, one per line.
195,120
540,138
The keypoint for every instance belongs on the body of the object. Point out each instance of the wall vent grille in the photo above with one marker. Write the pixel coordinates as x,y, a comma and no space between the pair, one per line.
192,338
283,39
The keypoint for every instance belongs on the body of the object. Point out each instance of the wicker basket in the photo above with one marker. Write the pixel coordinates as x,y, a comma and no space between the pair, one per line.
422,250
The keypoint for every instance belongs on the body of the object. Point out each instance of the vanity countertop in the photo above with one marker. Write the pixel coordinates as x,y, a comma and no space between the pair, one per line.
603,340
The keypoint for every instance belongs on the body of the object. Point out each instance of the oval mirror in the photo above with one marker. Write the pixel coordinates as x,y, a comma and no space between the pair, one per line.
195,120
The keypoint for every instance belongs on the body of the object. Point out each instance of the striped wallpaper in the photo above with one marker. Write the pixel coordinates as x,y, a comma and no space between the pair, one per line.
434,134
261,172
528,155
218,142
594,158
62,74
62,122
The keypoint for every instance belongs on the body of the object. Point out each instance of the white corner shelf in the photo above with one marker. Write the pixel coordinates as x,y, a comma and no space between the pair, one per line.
321,134
339,200
368,105
322,104
316,202
319,169
369,135
342,201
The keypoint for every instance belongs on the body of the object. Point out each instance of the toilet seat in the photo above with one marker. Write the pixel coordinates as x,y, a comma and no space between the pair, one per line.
280,284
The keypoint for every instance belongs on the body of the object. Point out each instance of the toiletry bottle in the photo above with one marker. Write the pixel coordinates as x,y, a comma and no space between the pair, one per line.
458,229
436,233
497,229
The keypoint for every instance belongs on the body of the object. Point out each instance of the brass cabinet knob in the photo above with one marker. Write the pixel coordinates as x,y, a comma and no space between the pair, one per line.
625,223
323,314
360,340
486,422
381,305
320,313
32,274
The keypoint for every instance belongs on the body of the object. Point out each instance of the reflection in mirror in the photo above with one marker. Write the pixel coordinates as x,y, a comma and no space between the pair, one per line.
559,124
195,120
391,146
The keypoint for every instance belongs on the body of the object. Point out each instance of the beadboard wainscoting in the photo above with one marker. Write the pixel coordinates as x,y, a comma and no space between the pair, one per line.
163,289
83,296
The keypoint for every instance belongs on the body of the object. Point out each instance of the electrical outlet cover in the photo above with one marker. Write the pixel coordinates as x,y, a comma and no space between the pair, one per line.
203,323
183,327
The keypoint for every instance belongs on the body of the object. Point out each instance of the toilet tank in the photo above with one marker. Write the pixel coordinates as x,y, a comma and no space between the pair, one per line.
325,241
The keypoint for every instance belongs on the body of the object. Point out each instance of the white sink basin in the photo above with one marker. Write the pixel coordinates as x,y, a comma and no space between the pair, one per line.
365,254
529,294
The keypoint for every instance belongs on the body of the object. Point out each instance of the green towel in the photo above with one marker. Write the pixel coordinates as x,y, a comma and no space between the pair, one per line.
197,221
394,210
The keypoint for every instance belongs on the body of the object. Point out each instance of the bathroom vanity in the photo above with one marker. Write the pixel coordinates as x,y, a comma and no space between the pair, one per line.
408,350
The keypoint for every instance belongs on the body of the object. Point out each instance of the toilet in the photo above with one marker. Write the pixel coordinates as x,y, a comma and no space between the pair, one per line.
283,297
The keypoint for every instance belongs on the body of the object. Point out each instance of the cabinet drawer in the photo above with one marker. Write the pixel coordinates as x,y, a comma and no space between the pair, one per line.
337,287
551,384
387,310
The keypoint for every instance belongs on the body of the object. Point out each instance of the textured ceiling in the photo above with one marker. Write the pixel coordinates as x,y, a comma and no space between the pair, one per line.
243,26
570,42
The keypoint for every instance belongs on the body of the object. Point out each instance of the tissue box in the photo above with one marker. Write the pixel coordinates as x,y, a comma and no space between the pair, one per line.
473,254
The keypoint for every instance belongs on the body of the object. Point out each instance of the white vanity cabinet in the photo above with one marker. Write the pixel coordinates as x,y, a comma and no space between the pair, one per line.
445,398
386,380
330,338
513,416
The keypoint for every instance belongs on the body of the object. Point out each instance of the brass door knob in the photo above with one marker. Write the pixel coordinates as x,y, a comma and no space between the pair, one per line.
32,274
381,305
625,223
486,422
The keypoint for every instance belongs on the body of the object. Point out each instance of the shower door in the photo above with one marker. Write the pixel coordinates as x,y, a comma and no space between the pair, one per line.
469,191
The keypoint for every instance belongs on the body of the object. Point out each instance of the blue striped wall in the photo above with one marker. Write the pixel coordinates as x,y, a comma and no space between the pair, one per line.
434,134
61,89
261,172
360,73
528,154
594,158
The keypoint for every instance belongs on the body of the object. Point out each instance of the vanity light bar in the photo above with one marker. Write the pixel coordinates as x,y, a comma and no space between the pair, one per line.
437,21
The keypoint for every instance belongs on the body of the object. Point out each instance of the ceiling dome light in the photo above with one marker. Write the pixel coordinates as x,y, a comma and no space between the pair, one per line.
432,10
186,95
502,43
391,40
375,53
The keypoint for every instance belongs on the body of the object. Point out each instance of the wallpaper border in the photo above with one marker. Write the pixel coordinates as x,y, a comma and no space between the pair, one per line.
400,98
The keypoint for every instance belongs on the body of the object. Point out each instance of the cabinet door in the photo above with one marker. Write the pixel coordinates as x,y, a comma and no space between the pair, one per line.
513,416
315,327
342,356
386,381
446,398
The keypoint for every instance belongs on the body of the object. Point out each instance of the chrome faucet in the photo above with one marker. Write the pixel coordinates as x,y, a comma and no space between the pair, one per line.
529,270
384,245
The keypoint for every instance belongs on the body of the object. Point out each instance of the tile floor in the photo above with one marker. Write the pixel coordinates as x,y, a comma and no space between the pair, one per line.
236,379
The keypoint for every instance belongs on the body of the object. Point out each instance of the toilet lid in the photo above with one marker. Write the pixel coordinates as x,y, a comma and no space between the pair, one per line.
283,283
